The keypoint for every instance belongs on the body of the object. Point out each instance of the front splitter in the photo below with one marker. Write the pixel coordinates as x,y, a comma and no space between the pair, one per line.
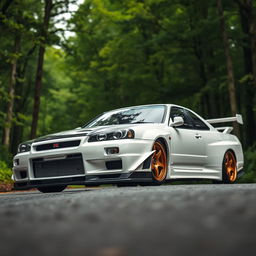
135,177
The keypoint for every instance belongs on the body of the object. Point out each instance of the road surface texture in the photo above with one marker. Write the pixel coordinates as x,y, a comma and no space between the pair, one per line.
165,220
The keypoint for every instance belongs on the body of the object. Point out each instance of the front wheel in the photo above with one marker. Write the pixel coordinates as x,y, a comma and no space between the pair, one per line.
159,163
52,189
229,168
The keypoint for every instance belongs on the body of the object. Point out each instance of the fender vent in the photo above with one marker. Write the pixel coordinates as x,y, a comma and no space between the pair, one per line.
114,165
147,162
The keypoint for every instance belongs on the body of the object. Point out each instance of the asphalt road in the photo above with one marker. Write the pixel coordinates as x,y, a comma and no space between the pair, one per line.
166,220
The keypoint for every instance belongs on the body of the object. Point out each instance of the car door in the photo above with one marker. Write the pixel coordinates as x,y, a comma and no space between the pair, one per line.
203,134
187,143
209,137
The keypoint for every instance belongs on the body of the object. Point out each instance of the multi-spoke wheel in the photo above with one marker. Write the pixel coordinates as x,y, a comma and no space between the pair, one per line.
159,162
229,171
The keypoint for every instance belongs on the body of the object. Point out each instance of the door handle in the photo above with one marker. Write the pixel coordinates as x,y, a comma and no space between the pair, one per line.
198,136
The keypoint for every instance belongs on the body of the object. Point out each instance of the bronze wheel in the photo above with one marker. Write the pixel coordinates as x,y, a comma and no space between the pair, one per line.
229,167
159,162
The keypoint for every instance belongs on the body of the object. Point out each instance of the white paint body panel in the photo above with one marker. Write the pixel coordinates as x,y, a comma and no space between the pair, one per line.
191,153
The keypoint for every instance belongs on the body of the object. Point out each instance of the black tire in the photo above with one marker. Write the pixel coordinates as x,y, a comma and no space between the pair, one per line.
52,189
153,183
122,185
217,181
91,186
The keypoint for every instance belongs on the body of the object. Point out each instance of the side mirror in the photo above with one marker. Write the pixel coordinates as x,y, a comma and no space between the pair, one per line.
178,121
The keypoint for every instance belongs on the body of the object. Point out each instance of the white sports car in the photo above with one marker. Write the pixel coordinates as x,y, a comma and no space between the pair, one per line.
148,144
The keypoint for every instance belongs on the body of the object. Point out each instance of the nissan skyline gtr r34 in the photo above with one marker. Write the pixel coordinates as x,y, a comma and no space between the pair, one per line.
149,144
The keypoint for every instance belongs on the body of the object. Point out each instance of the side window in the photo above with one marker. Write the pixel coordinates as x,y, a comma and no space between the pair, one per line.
197,122
175,111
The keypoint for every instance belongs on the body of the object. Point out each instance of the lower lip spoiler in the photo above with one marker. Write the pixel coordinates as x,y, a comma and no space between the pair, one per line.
135,177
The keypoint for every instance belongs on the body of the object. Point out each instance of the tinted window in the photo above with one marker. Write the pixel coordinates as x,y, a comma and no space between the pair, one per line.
197,122
175,111
145,114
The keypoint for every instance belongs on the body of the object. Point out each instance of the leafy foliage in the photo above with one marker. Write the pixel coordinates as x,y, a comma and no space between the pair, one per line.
250,165
5,173
5,155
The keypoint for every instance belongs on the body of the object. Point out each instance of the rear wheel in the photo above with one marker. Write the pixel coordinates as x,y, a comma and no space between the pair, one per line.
159,163
51,189
229,168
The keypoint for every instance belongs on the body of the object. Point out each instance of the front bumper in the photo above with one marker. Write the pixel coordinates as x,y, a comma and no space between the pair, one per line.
133,154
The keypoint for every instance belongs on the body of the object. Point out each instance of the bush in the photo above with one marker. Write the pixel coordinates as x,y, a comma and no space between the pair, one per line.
5,173
249,165
6,183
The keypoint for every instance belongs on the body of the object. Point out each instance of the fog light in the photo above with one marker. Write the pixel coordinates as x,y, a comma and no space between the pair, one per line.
16,162
113,150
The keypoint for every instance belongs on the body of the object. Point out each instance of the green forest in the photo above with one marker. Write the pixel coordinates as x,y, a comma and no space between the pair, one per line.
110,54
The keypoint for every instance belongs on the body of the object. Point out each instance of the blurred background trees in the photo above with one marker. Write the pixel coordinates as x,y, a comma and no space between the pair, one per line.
123,53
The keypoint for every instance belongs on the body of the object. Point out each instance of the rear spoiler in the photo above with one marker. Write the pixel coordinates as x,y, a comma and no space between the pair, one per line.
238,118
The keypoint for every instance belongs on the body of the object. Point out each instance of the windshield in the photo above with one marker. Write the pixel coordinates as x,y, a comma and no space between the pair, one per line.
144,114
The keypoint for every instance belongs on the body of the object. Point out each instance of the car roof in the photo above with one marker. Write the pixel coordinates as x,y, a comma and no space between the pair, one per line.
146,105
163,104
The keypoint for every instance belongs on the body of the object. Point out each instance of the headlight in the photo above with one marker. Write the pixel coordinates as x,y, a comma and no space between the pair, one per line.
114,135
24,147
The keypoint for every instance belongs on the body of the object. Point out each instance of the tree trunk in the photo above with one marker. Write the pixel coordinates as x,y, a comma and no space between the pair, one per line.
248,23
203,51
21,99
253,47
252,20
229,63
11,94
39,72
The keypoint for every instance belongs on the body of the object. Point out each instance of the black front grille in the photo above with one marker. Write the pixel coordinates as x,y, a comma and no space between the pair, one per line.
64,144
71,165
